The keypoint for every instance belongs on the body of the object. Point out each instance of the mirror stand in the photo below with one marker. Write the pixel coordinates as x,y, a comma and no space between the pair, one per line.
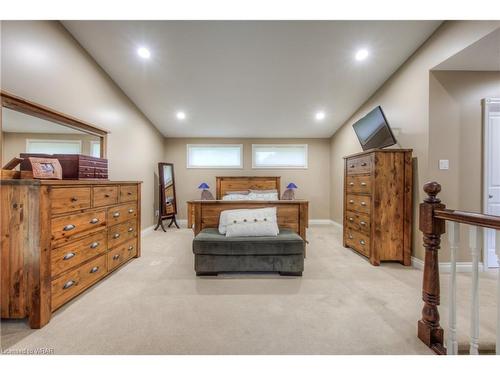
168,201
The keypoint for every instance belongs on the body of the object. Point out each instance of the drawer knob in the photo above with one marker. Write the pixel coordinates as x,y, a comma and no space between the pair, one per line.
351,201
116,256
130,248
94,220
363,184
116,214
363,203
94,269
351,237
93,245
130,210
363,164
351,183
351,166
362,242
106,195
351,219
116,235
69,284
130,229
129,193
362,223
74,199
68,256
69,227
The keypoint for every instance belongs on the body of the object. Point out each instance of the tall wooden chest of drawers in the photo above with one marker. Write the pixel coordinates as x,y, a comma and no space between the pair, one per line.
59,238
378,204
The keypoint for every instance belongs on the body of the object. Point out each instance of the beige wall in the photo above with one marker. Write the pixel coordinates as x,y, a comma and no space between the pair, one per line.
455,114
15,143
313,183
40,61
405,99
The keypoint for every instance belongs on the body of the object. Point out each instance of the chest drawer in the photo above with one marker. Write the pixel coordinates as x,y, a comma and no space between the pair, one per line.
69,256
128,193
121,254
67,199
359,222
104,195
73,226
359,184
358,165
122,232
359,203
67,286
358,242
121,213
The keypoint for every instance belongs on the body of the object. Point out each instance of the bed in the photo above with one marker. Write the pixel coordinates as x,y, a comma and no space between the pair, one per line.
292,214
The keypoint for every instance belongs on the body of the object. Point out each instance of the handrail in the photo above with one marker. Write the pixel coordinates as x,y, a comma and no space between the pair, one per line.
471,218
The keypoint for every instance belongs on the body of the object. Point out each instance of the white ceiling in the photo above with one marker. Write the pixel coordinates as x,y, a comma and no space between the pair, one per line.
249,78
481,55
18,122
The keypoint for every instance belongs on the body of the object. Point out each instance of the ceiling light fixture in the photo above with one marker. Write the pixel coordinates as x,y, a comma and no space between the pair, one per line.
180,115
144,53
320,116
361,54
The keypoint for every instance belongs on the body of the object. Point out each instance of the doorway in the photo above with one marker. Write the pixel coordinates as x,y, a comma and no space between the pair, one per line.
491,163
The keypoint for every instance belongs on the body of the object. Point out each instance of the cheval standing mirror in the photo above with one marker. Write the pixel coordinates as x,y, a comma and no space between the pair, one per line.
168,202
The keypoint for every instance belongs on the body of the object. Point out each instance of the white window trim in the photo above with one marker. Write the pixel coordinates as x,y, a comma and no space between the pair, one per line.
304,145
40,140
213,145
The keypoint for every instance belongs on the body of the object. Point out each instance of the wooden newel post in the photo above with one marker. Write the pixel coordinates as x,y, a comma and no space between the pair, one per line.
429,330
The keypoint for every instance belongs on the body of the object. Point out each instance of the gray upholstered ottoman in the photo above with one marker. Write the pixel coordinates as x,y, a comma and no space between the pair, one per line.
214,253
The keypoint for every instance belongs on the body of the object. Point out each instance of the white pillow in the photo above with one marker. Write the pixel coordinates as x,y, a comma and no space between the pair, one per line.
252,222
236,197
223,219
253,196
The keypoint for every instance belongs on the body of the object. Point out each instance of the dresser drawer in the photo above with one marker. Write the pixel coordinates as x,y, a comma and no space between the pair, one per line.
361,164
73,226
122,232
67,199
121,254
104,195
67,286
121,213
128,193
359,222
359,203
69,256
358,241
359,184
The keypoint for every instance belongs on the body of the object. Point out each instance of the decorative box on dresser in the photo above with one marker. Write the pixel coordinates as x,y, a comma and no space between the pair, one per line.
378,204
61,237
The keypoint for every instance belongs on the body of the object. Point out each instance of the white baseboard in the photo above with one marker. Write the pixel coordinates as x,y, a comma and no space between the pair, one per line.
182,223
320,222
445,267
147,230
338,225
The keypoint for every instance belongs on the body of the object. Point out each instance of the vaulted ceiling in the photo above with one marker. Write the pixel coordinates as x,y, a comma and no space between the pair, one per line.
249,78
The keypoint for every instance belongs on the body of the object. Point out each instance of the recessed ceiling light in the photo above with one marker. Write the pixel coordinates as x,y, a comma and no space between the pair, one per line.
144,53
319,116
361,54
180,115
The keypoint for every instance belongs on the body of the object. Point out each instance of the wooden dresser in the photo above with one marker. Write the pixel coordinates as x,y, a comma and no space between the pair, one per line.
378,204
59,238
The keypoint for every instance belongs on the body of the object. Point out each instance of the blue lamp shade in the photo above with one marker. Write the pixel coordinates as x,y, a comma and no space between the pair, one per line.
291,185
203,185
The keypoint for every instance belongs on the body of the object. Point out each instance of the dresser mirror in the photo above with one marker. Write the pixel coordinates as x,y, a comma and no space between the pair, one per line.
30,128
168,202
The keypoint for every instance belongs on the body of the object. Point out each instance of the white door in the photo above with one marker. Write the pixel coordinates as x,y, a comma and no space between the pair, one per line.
492,172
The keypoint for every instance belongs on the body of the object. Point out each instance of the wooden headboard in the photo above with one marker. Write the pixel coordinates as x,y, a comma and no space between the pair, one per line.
237,183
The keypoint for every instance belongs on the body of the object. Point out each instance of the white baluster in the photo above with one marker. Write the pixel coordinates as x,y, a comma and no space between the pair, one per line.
497,250
454,239
474,326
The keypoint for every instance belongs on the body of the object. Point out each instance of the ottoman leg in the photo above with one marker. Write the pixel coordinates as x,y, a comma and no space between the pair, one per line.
207,273
290,273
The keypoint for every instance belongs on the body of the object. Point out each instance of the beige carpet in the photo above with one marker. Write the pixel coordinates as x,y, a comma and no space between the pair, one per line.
156,305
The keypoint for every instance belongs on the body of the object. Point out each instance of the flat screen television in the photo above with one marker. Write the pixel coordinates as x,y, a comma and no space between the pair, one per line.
373,130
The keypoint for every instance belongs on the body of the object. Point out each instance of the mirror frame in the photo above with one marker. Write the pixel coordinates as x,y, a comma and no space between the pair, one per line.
19,104
162,189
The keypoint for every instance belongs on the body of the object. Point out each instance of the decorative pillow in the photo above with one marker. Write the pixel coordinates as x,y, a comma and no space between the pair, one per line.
241,192
263,191
223,218
252,222
236,197
263,196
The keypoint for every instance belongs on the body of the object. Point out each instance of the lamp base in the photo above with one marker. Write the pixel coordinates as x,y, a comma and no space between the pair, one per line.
288,195
206,195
